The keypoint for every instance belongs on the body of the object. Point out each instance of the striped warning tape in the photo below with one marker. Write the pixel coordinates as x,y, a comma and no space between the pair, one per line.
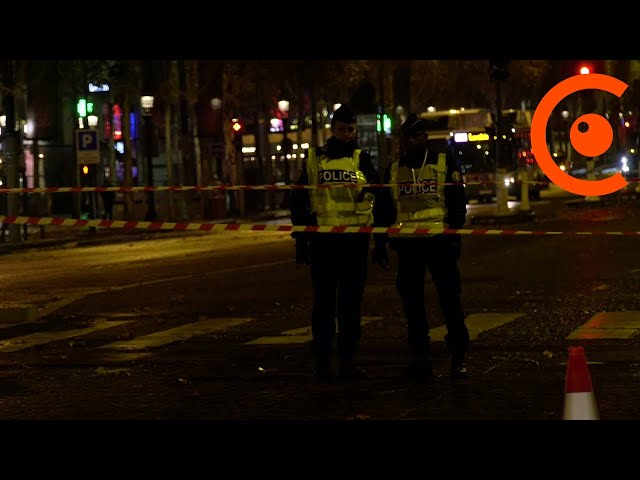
263,227
185,188
274,187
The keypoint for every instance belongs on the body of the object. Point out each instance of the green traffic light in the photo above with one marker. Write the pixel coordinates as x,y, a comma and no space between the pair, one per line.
386,123
81,108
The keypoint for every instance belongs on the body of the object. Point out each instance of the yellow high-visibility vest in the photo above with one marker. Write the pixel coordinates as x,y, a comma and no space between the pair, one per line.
338,206
421,205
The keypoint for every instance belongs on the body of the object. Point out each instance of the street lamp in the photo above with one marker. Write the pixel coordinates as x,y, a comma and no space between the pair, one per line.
146,102
216,106
92,122
283,106
565,135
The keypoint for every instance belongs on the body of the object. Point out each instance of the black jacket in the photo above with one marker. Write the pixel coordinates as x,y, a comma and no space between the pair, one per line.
455,199
300,204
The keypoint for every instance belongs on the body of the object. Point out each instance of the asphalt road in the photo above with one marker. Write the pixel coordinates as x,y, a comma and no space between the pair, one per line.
215,326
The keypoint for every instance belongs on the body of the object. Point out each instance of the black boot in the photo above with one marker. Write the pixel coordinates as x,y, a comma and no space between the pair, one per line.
420,369
321,363
349,370
458,347
322,369
458,368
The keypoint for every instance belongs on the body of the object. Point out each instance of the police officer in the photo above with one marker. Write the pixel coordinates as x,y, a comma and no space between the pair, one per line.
429,194
338,261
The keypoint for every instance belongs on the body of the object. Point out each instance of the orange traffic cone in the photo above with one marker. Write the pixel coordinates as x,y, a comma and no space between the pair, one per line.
579,400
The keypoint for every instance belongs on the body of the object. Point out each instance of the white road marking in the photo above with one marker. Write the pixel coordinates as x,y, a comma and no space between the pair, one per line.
183,332
297,335
476,324
40,338
608,325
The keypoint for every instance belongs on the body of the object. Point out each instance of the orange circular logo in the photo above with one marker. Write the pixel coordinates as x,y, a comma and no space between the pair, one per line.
591,134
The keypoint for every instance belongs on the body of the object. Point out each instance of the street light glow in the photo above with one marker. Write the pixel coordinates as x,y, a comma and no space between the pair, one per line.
283,106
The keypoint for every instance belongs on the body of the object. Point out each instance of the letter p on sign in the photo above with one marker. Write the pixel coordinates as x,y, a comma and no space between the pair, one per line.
87,146
87,140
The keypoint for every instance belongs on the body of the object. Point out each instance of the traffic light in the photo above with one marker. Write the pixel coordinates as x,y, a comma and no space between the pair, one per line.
498,70
585,67
87,175
83,108
384,125
236,126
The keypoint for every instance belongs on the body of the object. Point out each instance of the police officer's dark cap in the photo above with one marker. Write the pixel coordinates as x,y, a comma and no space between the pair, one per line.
343,114
413,126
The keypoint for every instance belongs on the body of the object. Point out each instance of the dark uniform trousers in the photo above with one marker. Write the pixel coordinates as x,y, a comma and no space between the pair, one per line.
439,254
339,264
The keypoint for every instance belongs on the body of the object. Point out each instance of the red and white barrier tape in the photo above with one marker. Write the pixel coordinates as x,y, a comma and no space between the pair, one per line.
272,187
262,227
185,188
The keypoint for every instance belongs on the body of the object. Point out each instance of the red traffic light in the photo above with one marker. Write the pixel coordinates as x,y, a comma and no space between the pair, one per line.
591,66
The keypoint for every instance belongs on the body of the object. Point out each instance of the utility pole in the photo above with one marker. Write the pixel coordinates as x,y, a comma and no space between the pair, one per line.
262,142
11,151
498,73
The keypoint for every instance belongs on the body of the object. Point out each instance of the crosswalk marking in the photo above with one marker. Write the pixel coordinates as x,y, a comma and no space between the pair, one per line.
476,324
602,325
121,357
298,335
183,332
7,325
27,341
608,325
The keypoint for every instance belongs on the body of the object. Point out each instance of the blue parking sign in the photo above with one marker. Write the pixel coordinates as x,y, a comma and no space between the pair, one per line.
87,146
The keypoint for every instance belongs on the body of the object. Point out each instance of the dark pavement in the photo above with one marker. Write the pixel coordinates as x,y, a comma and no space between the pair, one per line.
511,377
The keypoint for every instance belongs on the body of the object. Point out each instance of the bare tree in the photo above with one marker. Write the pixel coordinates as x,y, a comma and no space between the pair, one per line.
126,83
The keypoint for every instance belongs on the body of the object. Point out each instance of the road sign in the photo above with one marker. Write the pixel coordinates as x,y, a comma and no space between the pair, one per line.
87,147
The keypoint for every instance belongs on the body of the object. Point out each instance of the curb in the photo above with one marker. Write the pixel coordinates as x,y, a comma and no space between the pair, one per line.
82,236
82,239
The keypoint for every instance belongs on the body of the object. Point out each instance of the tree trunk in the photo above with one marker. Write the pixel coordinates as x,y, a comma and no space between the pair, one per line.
314,112
178,199
168,154
393,144
129,204
231,171
191,89
262,141
301,126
